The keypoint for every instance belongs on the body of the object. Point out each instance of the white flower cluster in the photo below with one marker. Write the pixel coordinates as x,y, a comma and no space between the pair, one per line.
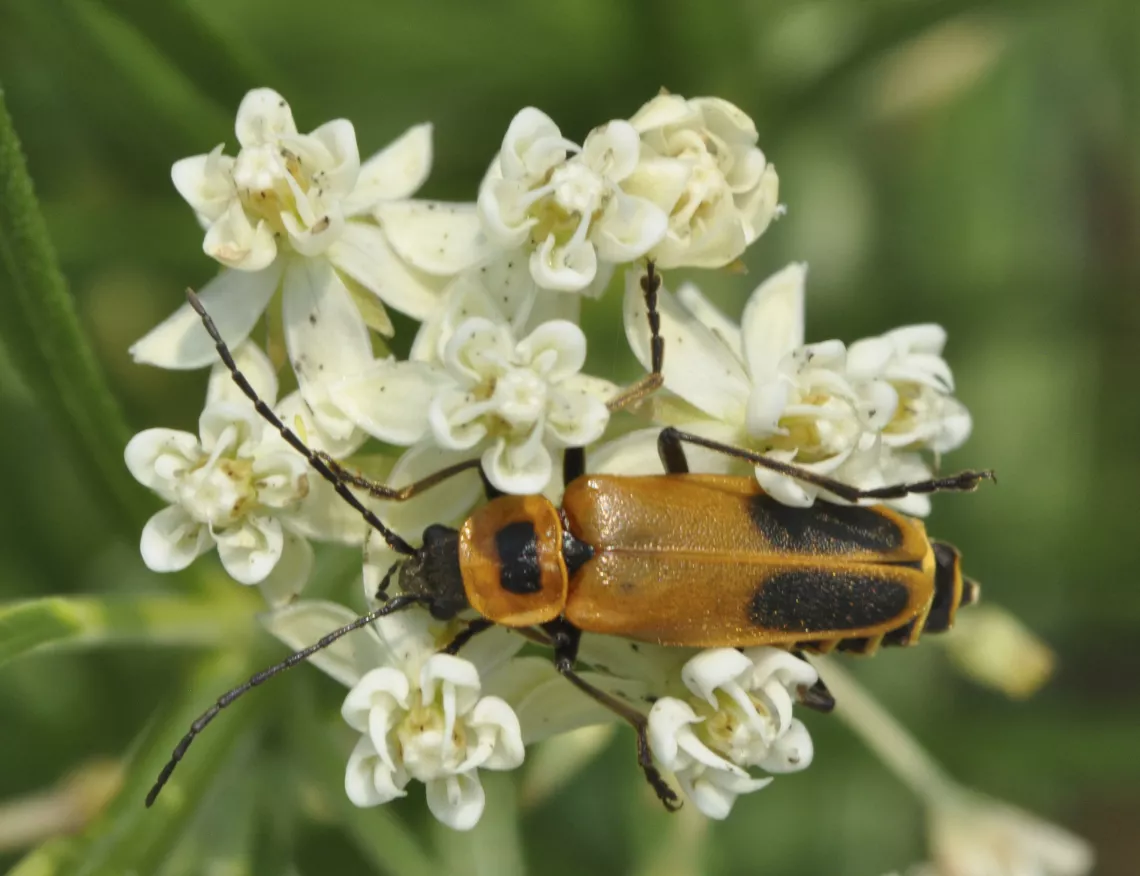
495,373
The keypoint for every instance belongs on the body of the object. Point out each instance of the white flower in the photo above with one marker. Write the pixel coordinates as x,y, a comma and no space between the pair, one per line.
739,715
294,211
238,486
421,714
514,399
565,204
973,835
757,385
700,164
903,378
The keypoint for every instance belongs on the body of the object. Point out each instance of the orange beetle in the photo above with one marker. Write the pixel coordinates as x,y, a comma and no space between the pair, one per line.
676,559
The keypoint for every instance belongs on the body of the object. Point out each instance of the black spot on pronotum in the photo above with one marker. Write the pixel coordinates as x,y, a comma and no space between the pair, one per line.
824,528
517,545
811,600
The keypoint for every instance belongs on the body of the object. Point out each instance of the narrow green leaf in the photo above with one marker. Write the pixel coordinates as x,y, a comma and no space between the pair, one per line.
90,621
379,834
222,68
128,837
41,332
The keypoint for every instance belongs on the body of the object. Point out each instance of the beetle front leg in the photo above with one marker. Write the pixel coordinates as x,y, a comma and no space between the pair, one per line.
565,639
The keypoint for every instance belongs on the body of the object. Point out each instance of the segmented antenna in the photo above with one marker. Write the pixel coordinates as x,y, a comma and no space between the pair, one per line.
394,541
395,604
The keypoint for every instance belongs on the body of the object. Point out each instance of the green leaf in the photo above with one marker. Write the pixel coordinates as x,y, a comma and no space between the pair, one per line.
89,621
379,834
41,332
128,837
222,68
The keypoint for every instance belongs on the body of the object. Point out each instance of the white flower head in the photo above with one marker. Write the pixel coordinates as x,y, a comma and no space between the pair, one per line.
906,386
293,211
237,486
421,714
757,385
565,204
739,715
515,400
700,164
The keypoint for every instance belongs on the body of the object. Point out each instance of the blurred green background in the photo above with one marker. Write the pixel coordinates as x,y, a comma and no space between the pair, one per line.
975,164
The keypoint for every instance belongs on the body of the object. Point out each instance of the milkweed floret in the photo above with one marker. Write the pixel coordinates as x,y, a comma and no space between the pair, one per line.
739,715
237,486
284,201
564,204
512,400
700,164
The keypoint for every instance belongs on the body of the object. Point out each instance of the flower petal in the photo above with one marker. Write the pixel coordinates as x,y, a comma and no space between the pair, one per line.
433,236
520,468
263,117
773,321
236,242
791,752
393,173
368,781
256,368
628,228
494,715
388,399
291,573
157,457
457,801
235,301
251,550
694,301
171,541
304,623
699,367
713,669
363,253
205,182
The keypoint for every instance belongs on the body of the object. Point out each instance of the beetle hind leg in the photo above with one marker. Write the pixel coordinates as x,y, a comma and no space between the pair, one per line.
565,640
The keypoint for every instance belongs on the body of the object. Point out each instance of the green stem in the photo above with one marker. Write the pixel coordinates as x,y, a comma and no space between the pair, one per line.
41,331
884,735
88,621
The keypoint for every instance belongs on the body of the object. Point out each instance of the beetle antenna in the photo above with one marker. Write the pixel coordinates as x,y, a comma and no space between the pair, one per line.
394,541
395,604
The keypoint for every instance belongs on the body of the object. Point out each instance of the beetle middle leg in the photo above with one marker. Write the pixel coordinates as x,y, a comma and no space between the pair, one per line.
565,639
651,382
670,447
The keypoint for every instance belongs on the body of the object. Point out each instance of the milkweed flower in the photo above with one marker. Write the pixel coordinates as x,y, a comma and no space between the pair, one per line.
738,715
512,400
563,207
293,212
237,486
421,714
699,162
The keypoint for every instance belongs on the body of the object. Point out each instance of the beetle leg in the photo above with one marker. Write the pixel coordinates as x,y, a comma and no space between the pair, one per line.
673,456
816,697
474,628
573,464
565,639
397,494
651,382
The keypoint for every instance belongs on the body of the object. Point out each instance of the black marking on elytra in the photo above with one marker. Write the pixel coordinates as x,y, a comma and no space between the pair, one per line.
810,600
517,545
575,552
900,635
824,528
942,608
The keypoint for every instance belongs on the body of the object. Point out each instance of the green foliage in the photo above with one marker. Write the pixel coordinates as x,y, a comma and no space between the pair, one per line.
968,163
